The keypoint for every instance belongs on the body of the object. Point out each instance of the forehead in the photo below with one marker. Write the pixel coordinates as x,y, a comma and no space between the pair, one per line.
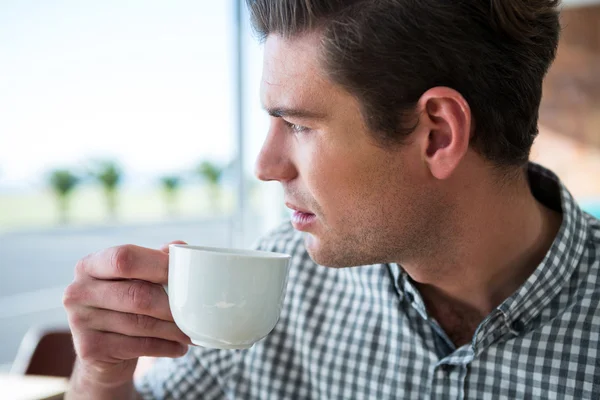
292,75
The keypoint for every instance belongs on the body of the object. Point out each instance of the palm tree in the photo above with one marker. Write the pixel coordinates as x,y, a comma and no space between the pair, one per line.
211,173
63,182
109,174
170,185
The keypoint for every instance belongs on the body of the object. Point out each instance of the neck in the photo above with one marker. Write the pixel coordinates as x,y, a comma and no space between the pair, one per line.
496,241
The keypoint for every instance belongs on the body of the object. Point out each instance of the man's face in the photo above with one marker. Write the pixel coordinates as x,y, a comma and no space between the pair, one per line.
358,202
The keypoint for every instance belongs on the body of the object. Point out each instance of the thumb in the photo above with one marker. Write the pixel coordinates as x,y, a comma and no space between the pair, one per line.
165,247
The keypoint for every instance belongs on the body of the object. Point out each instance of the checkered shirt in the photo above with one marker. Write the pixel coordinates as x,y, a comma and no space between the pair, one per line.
364,332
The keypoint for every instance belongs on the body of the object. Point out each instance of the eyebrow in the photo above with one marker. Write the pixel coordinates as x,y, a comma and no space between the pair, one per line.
280,112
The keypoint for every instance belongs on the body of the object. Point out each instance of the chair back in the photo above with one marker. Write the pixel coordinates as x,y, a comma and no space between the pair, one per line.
46,351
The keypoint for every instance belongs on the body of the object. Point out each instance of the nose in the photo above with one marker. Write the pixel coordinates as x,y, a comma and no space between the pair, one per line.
274,161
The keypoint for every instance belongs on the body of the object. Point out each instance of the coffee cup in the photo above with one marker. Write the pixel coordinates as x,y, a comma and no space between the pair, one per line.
226,298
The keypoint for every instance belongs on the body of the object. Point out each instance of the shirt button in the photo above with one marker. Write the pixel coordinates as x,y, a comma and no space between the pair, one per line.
446,368
517,326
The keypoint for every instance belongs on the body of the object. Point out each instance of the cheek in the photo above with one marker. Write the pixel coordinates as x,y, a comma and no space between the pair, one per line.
329,179
345,188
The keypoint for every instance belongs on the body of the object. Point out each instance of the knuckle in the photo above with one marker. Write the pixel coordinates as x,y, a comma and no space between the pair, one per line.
120,260
140,295
79,319
89,348
72,295
80,267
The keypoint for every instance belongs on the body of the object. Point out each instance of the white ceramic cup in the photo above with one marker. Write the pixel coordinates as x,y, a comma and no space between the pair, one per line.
226,298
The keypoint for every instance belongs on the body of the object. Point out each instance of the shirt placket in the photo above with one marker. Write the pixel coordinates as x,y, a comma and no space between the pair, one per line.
448,381
449,374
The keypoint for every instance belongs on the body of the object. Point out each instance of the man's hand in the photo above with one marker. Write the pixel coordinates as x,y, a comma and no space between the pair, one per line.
118,311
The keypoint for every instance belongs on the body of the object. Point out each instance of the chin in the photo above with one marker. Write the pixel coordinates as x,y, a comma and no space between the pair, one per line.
315,250
324,254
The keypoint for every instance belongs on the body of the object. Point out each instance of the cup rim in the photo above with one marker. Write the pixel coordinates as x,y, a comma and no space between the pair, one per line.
223,251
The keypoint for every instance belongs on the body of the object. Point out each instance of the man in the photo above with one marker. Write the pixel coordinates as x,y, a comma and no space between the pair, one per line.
400,131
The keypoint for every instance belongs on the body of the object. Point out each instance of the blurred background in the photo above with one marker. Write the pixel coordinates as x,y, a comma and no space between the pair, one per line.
139,122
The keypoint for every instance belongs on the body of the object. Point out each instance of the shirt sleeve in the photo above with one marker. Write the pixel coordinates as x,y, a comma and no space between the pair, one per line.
200,374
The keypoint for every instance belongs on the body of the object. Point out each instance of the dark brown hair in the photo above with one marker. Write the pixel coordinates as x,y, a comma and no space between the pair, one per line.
389,52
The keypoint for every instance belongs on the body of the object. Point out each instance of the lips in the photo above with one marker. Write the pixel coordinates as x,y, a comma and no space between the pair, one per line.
297,209
302,219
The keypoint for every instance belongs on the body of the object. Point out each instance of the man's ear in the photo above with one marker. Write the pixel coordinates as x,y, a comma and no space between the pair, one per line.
446,130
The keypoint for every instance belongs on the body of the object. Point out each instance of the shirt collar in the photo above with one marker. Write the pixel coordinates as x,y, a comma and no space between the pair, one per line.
562,258
553,272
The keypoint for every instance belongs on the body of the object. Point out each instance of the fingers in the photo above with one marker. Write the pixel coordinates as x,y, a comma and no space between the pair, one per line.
165,248
128,296
96,346
133,325
125,262
118,311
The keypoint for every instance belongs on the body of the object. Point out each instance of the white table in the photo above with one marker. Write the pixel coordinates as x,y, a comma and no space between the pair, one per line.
30,387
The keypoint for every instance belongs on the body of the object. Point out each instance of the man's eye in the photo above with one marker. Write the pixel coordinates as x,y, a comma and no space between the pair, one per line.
296,128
